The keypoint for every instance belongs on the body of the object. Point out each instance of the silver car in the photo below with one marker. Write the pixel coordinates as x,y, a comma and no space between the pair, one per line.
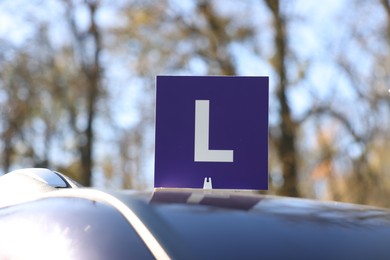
45,215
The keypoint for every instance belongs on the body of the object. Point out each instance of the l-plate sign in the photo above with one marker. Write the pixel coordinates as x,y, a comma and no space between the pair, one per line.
213,127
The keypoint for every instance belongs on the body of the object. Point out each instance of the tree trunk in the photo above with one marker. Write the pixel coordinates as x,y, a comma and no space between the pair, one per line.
286,141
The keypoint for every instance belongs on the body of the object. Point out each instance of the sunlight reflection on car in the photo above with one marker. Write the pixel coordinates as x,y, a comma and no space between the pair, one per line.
35,239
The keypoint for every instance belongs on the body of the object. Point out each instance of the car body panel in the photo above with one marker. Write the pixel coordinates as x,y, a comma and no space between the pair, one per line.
67,228
195,224
235,226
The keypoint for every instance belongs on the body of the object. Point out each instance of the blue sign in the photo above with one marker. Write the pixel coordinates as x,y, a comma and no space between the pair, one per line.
212,127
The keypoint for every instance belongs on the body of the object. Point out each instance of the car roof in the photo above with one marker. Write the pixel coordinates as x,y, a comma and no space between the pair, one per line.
224,224
240,225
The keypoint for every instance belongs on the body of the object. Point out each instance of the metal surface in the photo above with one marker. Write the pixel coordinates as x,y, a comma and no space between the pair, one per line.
197,225
60,227
235,226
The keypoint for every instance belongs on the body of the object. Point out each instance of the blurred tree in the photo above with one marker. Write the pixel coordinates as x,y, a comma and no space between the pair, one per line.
15,107
27,111
366,66
88,46
335,148
51,96
285,142
351,122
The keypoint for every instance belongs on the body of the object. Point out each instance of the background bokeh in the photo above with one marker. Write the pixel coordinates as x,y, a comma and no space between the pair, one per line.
77,86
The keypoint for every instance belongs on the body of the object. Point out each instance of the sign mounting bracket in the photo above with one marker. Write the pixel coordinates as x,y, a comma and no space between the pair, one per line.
207,184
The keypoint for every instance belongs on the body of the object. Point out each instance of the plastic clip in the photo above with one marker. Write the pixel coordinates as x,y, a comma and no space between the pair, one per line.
207,184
